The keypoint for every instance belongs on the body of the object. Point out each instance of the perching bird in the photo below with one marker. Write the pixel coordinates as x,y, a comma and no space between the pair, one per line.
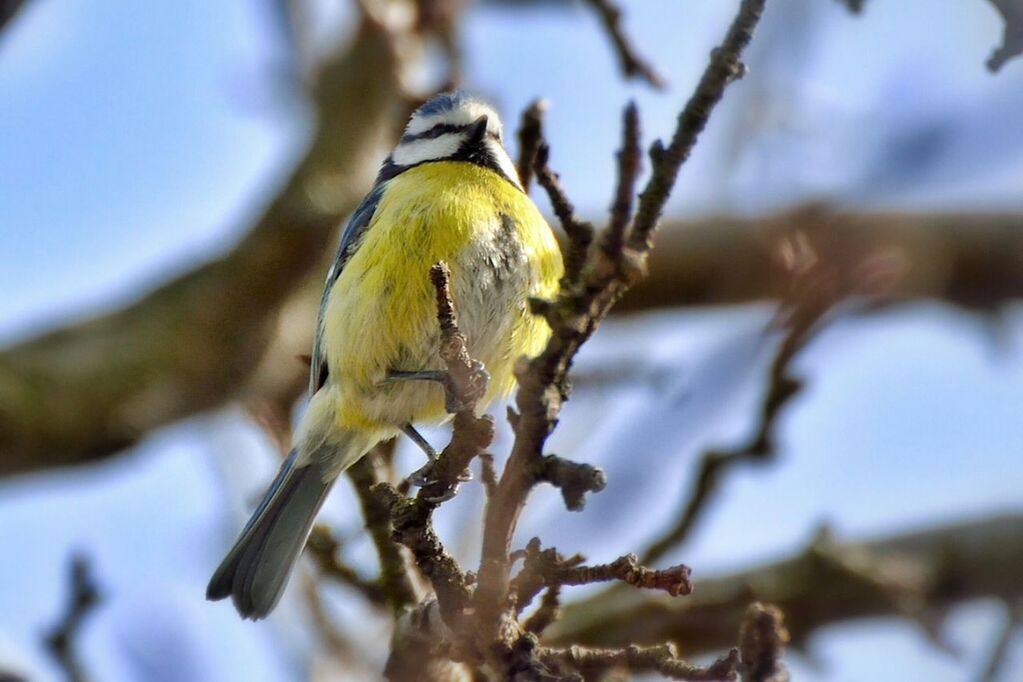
448,192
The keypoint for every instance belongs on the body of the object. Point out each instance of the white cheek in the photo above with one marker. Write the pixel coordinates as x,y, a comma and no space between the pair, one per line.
418,151
504,161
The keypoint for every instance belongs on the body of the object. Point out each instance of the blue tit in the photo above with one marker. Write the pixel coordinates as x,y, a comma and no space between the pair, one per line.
448,192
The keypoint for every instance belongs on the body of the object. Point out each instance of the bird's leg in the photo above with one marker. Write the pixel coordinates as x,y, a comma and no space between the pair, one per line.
480,379
423,476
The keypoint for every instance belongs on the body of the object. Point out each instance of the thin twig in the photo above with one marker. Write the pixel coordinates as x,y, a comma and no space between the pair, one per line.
762,640
629,165
574,479
633,66
333,639
395,579
83,598
816,287
1012,36
675,580
488,474
530,138
547,613
538,570
413,527
994,664
580,232
724,68
472,434
586,296
881,577
325,550
661,659
547,568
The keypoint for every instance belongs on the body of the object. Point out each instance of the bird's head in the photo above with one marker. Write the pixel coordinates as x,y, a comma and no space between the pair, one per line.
454,126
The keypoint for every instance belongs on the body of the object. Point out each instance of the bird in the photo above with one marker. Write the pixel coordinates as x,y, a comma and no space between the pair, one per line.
447,192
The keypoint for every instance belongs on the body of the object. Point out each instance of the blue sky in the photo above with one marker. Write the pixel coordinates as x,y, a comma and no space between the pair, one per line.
141,137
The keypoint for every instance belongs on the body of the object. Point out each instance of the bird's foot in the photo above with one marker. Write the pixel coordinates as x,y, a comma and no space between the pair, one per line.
478,381
427,475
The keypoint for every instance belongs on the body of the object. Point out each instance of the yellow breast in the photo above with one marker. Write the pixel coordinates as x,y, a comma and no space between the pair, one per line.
381,314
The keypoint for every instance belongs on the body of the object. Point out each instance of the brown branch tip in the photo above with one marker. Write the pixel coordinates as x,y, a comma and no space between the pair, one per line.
530,138
547,568
633,66
762,640
580,232
574,479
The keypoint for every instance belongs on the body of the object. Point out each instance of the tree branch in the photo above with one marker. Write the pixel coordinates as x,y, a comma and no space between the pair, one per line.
815,288
83,392
972,260
968,260
530,138
662,659
547,568
724,67
395,580
8,10
633,66
912,575
579,232
762,640
585,297
84,597
1012,36
412,517
325,550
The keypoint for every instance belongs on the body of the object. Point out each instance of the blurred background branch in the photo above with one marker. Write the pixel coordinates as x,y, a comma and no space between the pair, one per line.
115,385
91,389
8,10
915,575
234,330
83,598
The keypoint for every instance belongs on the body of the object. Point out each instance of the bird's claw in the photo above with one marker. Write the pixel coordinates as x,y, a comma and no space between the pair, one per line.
479,380
423,476
426,475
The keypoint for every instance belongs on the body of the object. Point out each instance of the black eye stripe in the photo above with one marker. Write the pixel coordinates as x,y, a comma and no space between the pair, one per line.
443,129
435,132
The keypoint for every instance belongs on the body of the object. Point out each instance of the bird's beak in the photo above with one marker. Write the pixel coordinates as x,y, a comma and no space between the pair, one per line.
479,130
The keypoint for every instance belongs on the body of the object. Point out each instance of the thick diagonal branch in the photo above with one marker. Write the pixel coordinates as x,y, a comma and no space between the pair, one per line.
81,393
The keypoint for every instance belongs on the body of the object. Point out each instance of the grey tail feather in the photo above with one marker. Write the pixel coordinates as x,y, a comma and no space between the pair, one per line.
255,572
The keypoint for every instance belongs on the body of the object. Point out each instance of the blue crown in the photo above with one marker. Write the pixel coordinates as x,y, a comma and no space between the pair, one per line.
444,102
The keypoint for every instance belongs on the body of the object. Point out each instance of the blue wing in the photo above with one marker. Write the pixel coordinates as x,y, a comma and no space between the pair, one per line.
356,226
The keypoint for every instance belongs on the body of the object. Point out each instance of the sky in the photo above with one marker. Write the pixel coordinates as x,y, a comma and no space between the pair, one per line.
140,138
